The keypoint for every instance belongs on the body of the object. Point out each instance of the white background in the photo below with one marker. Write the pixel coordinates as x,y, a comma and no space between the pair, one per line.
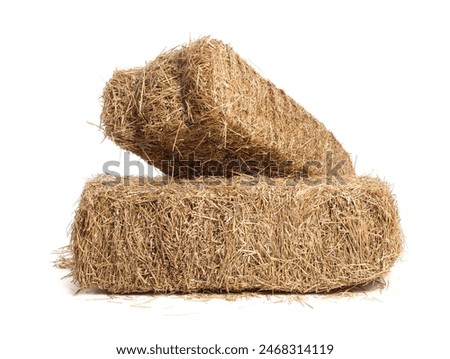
376,74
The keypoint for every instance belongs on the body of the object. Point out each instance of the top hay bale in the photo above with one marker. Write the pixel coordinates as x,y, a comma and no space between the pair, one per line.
200,109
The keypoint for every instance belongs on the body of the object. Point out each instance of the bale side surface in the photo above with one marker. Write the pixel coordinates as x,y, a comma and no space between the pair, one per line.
232,236
201,109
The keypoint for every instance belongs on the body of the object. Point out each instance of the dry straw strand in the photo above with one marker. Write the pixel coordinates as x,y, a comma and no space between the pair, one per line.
232,235
200,109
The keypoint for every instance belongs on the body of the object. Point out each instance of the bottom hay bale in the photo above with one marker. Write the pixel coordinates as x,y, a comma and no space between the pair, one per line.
236,235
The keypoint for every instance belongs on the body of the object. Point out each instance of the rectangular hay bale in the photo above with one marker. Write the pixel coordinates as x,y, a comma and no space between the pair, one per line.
219,235
200,109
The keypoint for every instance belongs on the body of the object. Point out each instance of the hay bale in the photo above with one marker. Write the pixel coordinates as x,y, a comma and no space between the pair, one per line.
234,235
202,110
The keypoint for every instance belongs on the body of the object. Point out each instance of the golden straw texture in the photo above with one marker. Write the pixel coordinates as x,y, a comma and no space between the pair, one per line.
242,234
200,109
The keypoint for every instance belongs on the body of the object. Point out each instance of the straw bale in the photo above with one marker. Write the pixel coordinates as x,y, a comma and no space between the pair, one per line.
200,109
232,235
